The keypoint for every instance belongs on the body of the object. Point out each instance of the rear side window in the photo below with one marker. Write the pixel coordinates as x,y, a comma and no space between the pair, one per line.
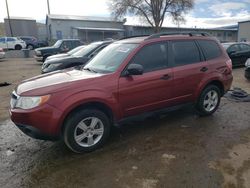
244,47
76,43
152,57
185,52
10,39
210,49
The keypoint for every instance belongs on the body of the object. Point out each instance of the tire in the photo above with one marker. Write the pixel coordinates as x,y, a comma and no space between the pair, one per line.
30,47
18,47
86,130
209,100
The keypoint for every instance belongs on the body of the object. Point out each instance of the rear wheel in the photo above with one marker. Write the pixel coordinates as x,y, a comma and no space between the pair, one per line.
18,47
209,100
86,130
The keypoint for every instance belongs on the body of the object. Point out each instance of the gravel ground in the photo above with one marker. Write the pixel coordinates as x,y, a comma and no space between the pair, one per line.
175,150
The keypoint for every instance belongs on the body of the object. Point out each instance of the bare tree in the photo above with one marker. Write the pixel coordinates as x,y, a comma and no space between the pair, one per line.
152,11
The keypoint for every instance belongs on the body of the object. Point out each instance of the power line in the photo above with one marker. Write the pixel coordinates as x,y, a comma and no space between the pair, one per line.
48,6
11,32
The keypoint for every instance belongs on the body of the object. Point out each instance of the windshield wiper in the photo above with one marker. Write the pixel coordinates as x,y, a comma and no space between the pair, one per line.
91,70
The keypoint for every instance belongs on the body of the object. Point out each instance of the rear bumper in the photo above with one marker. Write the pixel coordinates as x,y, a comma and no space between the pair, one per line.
227,83
247,72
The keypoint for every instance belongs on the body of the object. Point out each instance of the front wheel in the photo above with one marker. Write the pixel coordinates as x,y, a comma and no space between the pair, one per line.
86,130
30,47
208,101
18,47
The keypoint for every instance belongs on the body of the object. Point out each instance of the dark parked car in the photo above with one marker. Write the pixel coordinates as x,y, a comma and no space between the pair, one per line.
78,58
61,46
238,52
69,53
128,78
32,42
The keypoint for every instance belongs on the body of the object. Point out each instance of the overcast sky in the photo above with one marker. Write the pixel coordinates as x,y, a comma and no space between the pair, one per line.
206,13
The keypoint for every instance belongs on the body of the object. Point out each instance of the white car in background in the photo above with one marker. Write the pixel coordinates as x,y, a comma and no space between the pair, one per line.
2,53
13,43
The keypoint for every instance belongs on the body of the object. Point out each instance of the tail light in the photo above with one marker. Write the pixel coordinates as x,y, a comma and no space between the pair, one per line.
1,50
229,65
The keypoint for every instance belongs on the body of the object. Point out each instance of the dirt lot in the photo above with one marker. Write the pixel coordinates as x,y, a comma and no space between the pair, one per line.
175,150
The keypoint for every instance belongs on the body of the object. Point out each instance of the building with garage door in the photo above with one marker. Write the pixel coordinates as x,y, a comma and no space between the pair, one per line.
85,28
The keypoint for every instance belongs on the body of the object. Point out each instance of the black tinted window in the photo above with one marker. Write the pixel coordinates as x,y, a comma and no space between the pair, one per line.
76,43
244,47
2,39
185,52
10,39
233,48
152,57
210,49
66,45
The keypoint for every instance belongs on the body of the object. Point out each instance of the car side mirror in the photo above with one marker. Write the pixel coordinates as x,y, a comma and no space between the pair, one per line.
92,55
134,69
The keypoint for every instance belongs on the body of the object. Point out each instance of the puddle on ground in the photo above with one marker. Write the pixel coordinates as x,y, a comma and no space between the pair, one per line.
236,168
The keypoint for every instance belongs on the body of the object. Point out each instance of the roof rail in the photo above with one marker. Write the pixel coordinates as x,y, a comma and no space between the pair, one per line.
158,35
134,36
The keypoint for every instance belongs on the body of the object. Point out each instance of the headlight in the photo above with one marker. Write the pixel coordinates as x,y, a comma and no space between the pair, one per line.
53,66
247,63
31,102
38,53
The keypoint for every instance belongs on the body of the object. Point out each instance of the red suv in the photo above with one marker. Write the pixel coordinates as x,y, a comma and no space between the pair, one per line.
129,77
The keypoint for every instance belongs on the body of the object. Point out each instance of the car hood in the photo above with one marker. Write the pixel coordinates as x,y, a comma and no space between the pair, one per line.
67,59
53,82
50,48
57,56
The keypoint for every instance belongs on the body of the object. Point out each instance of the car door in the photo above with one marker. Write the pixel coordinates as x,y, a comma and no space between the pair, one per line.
152,89
245,53
11,42
234,54
188,69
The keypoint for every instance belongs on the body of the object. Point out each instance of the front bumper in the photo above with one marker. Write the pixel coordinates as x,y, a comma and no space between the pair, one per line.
247,73
41,122
38,58
36,133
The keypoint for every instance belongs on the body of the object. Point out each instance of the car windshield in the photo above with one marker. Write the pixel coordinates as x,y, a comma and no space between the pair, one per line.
58,43
83,52
71,52
110,58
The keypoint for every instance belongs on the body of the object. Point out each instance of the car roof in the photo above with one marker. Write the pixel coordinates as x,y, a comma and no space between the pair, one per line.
70,39
142,39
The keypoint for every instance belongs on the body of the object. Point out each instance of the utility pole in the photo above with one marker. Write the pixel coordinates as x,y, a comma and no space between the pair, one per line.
11,32
48,6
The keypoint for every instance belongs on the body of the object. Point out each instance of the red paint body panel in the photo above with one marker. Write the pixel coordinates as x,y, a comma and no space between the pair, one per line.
124,96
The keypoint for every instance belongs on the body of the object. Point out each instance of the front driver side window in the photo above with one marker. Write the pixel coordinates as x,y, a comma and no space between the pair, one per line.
233,48
152,57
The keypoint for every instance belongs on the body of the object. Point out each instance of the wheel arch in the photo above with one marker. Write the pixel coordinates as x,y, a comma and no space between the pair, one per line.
94,105
215,82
